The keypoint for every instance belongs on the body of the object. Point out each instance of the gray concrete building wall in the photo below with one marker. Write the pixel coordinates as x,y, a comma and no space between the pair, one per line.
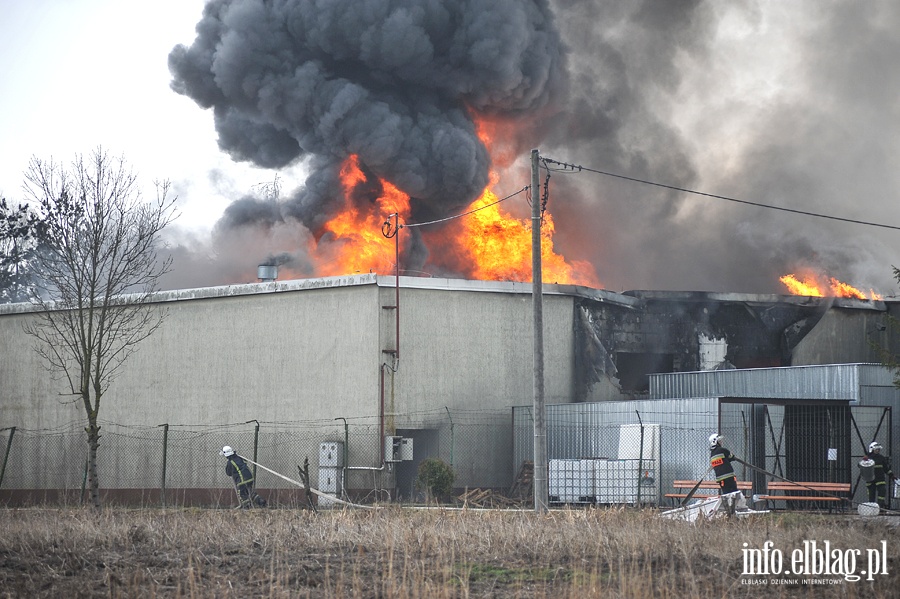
474,350
312,350
221,356
469,347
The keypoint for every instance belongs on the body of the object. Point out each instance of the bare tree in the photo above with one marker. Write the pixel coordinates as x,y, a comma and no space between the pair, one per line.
99,275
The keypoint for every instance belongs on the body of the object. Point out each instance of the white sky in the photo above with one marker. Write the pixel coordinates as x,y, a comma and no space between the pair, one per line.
81,73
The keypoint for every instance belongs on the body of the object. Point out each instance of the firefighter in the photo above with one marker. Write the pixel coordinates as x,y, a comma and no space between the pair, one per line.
882,474
720,460
240,473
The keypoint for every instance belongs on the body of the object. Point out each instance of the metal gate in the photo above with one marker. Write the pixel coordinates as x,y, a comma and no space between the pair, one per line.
804,441
870,423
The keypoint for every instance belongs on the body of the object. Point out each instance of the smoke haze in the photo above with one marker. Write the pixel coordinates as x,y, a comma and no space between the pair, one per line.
790,104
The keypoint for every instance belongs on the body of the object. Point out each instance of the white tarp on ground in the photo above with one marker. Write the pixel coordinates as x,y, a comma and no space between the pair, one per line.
713,507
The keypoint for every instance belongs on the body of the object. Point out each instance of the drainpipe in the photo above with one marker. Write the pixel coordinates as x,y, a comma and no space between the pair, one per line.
381,417
381,432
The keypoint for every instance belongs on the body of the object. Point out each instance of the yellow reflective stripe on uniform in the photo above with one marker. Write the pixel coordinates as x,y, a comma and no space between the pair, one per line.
240,474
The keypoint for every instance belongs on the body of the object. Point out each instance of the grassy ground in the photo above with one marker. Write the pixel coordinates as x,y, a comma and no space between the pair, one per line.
395,552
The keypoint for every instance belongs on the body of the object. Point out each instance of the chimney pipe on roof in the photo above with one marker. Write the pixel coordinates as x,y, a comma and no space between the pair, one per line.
266,273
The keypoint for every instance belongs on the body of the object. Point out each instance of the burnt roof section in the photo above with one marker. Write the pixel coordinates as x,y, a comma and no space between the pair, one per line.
758,299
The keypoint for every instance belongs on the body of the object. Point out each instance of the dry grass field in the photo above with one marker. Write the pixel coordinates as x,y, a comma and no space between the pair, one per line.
434,553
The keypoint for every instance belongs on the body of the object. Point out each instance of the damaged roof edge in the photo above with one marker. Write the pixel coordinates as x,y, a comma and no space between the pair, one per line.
759,298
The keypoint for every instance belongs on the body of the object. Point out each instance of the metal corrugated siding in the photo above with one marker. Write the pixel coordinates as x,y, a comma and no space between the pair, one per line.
828,382
569,425
875,375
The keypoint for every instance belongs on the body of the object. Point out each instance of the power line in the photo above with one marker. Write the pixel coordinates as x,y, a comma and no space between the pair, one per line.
440,220
578,168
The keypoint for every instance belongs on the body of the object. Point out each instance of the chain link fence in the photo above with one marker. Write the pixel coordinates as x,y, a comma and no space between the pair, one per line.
600,453
620,452
633,452
173,464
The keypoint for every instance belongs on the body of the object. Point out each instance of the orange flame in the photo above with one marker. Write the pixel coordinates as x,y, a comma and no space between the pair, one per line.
499,248
353,241
486,244
812,286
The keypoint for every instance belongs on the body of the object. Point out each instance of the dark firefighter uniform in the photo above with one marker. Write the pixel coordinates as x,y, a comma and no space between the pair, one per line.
720,459
882,474
238,470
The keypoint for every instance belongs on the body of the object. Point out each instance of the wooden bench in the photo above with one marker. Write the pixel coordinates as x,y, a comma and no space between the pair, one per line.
789,491
703,490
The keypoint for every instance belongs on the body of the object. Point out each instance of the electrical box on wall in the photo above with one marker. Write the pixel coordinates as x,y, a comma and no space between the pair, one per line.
331,454
398,449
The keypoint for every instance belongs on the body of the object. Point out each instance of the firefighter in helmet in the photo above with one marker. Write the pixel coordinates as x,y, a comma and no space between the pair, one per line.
720,460
240,473
882,475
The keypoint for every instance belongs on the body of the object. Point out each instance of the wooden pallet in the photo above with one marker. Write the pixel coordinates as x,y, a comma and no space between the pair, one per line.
523,487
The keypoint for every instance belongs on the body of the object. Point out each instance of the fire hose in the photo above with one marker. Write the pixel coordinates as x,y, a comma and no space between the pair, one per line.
310,489
694,490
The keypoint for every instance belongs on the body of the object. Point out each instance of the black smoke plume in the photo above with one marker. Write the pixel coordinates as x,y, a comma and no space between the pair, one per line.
792,104
396,82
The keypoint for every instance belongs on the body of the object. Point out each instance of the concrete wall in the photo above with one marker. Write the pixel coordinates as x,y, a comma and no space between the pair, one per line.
474,350
281,356
844,336
311,351
463,348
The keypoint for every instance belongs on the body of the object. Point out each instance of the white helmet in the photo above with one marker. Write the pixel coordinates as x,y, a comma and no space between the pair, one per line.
227,451
715,439
874,445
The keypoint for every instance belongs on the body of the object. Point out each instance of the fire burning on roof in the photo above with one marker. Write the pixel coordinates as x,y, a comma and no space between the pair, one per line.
815,285
409,91
394,106
486,243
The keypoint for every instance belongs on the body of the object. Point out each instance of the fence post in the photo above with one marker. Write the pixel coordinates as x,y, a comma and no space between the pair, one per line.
346,460
451,435
12,431
255,445
640,459
84,478
165,455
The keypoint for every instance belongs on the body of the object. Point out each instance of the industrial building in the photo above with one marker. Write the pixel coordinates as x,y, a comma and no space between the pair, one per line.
365,376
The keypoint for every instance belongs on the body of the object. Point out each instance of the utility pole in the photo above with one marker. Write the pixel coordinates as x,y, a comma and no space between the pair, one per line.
541,490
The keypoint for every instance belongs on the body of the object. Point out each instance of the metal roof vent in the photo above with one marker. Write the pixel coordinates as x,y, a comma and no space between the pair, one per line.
266,273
